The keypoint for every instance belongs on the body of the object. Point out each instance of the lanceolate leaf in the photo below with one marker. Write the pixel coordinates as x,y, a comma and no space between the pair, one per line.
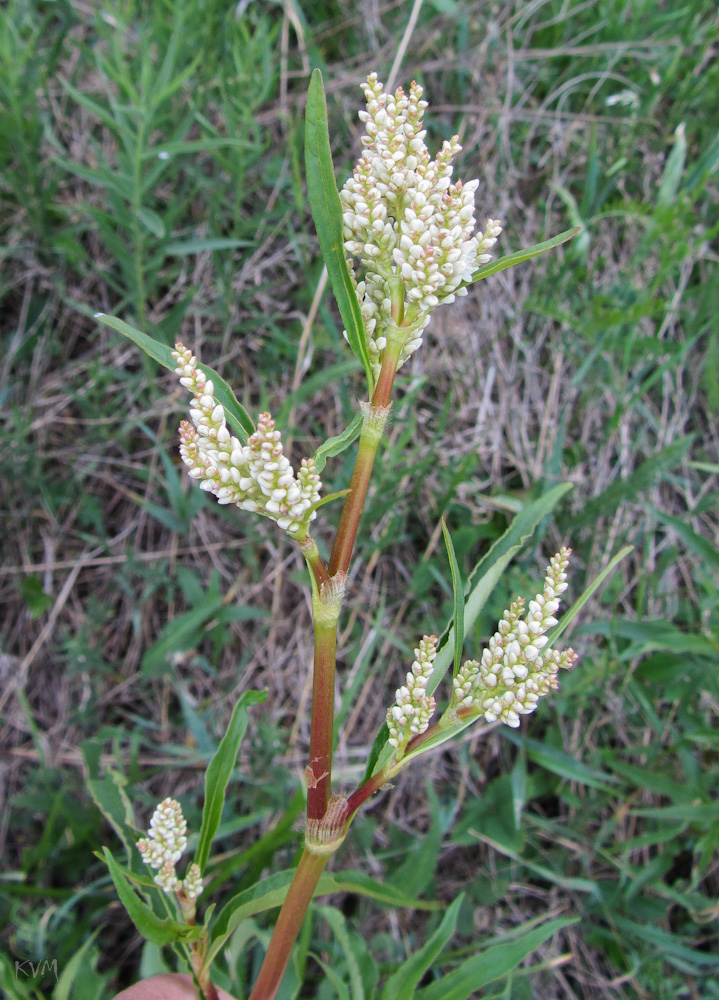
458,599
495,962
158,930
336,445
219,772
270,893
327,214
571,613
401,984
494,266
235,412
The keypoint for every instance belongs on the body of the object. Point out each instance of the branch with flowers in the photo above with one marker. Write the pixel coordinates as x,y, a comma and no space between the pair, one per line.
399,240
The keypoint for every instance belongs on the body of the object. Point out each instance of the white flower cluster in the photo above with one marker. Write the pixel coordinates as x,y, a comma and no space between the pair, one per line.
413,707
516,670
164,847
405,219
255,476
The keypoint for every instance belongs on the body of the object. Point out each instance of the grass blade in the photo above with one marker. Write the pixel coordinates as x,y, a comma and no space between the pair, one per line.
492,964
401,984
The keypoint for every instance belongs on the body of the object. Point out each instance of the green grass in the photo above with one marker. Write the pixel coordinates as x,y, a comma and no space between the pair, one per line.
150,166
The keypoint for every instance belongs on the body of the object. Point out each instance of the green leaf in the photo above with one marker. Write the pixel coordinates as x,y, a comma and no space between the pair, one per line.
271,891
64,987
235,412
494,266
401,984
330,498
206,145
159,930
327,215
495,962
562,764
337,923
363,885
694,542
336,445
674,168
179,634
108,794
186,247
152,221
458,600
219,772
571,613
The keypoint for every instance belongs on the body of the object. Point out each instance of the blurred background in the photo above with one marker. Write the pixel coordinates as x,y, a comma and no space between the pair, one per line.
151,166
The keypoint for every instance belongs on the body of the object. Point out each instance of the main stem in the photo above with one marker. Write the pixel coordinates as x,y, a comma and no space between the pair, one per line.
298,898
362,472
326,605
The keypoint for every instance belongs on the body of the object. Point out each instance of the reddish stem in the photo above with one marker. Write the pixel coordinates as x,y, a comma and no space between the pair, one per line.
319,774
298,898
361,475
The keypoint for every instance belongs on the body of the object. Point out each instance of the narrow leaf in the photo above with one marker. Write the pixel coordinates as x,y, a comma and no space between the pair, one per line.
327,215
401,984
235,412
336,445
158,930
108,794
337,923
69,975
694,542
271,891
494,266
458,600
219,772
571,613
562,764
329,499
674,168
491,964
178,635
187,247
152,221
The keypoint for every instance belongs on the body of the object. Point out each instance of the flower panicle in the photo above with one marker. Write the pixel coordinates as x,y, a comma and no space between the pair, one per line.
164,846
517,669
256,476
405,218
413,707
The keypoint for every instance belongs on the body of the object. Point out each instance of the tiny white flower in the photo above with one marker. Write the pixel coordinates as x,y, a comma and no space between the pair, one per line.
413,707
513,673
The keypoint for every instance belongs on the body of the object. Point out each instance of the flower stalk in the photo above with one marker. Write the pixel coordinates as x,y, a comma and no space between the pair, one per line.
410,246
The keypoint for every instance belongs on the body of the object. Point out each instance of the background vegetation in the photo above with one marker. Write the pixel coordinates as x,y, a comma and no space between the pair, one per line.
151,167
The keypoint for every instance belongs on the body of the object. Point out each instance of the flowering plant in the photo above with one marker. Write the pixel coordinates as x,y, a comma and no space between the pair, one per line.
398,241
